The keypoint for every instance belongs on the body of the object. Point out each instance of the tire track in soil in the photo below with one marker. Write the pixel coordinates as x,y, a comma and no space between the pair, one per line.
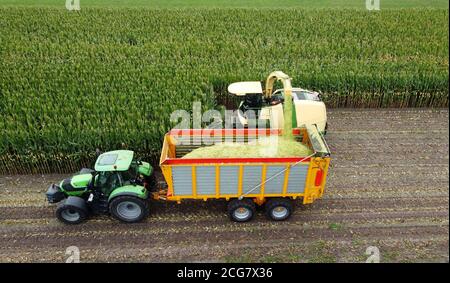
342,251
388,186
114,237
306,216
189,210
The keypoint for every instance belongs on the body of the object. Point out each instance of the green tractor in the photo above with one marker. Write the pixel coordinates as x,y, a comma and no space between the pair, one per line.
119,186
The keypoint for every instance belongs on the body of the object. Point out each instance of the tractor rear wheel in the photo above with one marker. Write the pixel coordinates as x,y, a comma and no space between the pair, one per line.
241,210
129,209
72,211
279,209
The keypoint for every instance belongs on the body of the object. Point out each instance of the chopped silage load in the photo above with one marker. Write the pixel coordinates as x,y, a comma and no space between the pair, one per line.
263,147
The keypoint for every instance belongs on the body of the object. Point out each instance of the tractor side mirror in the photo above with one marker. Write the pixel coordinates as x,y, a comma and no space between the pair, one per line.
98,152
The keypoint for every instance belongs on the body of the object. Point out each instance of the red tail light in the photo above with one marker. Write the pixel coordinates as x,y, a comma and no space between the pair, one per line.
319,176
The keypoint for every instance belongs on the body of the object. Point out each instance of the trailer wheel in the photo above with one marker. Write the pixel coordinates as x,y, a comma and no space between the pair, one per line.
72,211
129,209
241,210
279,209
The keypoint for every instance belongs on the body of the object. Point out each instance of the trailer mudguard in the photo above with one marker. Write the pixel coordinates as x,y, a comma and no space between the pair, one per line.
129,190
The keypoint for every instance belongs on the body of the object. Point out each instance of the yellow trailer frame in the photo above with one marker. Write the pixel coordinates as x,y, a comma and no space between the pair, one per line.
312,170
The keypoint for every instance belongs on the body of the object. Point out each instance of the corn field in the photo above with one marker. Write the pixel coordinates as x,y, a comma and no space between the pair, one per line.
74,82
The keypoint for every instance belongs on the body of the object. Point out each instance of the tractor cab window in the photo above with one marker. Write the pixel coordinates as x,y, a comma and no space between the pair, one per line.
113,182
130,174
107,159
276,98
299,95
305,95
252,101
100,179
279,95
108,181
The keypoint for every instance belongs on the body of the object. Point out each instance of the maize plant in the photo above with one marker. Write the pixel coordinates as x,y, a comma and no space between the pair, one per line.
74,82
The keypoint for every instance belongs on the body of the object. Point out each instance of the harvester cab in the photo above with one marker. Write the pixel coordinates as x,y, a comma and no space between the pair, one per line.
119,185
267,104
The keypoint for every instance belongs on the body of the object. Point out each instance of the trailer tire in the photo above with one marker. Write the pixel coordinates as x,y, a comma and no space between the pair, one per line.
72,211
241,210
279,209
129,209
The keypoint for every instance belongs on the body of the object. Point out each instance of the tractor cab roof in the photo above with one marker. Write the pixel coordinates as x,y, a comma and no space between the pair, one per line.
118,160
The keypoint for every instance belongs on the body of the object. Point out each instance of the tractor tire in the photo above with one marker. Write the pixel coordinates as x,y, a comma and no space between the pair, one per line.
72,211
241,210
129,209
279,209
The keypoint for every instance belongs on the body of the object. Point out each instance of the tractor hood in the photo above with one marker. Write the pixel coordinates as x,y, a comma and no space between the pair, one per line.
80,181
76,183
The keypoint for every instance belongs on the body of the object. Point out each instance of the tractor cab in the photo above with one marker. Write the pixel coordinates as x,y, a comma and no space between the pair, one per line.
117,169
267,105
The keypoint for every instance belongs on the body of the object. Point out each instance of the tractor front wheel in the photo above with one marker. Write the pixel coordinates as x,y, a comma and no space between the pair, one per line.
72,211
129,209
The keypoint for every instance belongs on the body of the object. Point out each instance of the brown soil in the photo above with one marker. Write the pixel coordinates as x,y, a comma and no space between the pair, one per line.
388,187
